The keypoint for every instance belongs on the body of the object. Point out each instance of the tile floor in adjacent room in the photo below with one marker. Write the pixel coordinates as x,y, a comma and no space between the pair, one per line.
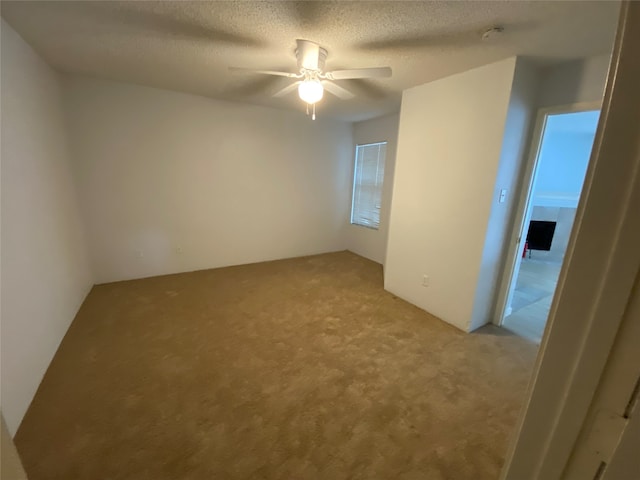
532,298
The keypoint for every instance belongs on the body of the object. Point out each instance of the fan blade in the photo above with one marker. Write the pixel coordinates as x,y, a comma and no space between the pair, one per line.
337,90
264,72
286,90
379,72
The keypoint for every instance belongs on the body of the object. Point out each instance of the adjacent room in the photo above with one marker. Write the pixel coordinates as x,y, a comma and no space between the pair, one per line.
561,165
267,240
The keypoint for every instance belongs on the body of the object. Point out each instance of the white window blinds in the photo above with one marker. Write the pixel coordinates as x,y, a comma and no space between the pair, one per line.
367,184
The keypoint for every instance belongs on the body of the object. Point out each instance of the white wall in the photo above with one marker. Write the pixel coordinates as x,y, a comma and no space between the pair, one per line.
45,269
563,159
576,81
367,242
449,144
171,182
516,140
562,165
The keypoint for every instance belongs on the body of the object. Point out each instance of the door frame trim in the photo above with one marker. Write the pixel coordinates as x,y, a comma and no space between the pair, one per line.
596,281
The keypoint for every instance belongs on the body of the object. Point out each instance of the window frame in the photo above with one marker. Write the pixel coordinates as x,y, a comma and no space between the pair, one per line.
355,183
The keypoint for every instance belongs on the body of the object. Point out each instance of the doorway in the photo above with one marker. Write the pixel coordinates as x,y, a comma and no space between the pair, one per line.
553,184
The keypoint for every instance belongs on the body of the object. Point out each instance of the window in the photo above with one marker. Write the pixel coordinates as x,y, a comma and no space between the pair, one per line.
367,184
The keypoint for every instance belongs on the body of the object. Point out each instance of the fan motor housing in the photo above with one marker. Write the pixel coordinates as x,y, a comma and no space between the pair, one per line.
310,55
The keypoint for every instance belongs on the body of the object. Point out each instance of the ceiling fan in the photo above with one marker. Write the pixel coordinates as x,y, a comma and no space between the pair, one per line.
312,80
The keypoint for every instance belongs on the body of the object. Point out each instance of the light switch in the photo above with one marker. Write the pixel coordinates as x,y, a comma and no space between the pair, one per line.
503,195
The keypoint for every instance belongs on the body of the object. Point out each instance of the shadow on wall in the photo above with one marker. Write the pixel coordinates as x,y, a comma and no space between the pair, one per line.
574,82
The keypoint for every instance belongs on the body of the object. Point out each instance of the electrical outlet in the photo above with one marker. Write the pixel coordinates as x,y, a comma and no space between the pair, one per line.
425,280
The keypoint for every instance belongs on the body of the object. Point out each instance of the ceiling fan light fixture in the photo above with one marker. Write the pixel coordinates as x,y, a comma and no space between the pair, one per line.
311,91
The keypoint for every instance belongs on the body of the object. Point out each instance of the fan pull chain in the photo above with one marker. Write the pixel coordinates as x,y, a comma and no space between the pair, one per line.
313,117
307,109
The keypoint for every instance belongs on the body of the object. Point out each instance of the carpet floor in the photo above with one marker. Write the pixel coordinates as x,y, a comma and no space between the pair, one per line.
295,369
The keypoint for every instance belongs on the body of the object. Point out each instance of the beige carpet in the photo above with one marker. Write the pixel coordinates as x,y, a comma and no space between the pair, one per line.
295,369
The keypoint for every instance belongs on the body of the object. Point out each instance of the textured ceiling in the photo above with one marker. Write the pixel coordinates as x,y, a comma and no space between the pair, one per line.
187,46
